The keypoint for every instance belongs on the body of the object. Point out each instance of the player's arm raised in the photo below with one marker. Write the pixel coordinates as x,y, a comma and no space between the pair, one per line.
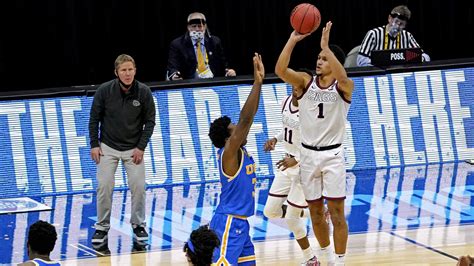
345,84
247,114
297,79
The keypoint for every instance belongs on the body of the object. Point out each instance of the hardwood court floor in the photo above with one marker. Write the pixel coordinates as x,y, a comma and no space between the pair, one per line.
426,246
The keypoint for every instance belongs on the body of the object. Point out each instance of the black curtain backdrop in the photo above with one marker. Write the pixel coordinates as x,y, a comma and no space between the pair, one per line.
65,43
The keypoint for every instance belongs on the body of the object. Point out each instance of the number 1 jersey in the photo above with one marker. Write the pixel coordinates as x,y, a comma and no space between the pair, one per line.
323,114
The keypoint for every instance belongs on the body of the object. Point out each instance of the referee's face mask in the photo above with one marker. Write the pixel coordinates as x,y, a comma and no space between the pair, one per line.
397,23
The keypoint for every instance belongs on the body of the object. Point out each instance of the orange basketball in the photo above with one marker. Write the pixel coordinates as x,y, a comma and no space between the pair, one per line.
305,18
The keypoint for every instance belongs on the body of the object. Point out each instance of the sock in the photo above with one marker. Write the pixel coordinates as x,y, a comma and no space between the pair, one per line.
327,251
340,259
308,254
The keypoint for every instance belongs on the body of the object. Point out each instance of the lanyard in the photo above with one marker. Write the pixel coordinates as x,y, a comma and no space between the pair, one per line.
385,44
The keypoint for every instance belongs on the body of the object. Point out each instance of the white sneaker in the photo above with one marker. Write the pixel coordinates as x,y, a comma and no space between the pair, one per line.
311,262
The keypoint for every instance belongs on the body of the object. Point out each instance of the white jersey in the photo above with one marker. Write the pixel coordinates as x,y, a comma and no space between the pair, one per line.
323,114
290,133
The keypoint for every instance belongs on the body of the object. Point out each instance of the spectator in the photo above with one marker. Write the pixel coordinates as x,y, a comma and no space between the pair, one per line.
197,54
391,36
200,246
124,111
41,240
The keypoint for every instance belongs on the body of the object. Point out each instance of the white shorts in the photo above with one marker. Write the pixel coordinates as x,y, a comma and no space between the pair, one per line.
323,174
287,184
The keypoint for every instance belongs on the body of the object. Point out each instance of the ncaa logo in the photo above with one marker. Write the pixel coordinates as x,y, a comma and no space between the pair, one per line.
136,103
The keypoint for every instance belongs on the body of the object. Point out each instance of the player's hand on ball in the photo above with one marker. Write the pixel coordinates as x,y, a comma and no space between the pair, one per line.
298,36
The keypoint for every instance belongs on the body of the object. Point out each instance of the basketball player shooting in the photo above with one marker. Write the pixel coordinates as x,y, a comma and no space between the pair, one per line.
324,101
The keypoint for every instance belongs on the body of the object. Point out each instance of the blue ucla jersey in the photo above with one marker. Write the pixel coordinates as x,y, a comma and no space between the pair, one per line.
238,191
41,262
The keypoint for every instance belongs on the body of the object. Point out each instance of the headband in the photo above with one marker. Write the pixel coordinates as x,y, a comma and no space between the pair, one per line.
191,246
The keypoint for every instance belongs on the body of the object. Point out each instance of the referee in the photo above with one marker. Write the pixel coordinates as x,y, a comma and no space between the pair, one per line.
391,36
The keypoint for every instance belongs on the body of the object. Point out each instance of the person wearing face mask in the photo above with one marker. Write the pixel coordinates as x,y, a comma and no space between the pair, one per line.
121,122
197,54
391,36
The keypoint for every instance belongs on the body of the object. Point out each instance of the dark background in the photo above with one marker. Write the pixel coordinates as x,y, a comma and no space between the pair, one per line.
65,43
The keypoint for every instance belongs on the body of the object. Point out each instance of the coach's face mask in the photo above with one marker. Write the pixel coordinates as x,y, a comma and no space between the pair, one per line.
196,35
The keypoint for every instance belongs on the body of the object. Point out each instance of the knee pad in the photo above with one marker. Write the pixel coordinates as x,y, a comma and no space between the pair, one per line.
297,226
273,207
293,212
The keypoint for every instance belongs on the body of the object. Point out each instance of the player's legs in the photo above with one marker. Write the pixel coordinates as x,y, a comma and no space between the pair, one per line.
276,197
233,234
318,220
247,256
338,219
297,224
105,187
287,183
311,184
334,189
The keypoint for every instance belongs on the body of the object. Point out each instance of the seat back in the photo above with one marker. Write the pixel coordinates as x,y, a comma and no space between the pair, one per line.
351,58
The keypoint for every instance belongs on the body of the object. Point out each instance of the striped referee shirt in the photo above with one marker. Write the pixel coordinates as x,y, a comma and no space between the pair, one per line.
379,39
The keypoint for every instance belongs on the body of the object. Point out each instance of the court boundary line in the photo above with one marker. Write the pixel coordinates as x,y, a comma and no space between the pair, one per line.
424,246
87,250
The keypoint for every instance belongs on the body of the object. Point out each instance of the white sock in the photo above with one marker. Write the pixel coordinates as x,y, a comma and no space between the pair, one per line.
340,259
308,254
327,251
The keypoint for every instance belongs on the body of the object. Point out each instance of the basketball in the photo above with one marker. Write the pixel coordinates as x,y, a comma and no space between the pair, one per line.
305,18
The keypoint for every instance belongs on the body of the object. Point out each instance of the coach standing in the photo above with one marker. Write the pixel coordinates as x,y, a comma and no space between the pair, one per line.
124,111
